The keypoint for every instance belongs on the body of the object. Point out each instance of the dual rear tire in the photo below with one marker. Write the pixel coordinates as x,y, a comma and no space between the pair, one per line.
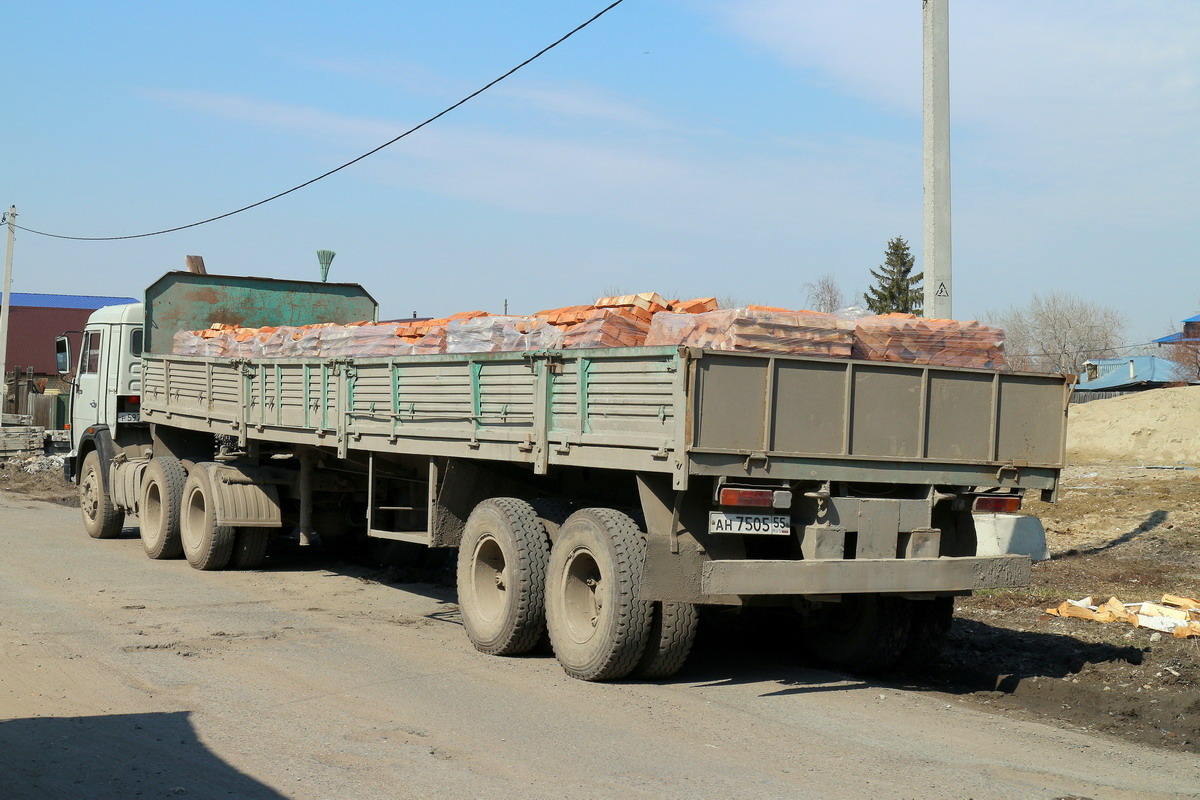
206,544
585,591
178,519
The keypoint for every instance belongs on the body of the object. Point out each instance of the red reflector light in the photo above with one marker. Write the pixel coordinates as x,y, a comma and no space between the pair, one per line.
998,504
133,400
747,497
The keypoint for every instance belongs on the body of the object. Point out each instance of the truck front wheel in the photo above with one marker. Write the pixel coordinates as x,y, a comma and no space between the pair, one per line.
206,545
502,577
101,519
161,500
598,623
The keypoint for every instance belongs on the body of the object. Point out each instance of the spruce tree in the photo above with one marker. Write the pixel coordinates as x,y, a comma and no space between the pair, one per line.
896,289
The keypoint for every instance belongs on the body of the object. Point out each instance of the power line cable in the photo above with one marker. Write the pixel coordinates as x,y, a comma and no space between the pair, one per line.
351,162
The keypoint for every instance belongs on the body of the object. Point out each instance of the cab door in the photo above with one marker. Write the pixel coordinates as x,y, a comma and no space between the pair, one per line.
86,405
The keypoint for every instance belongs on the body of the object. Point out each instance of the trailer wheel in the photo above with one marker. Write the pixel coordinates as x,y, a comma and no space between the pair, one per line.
158,511
249,548
598,623
930,625
502,577
206,545
864,633
101,519
672,634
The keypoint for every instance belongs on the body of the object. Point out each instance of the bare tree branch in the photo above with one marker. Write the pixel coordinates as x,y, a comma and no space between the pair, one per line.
825,294
1057,332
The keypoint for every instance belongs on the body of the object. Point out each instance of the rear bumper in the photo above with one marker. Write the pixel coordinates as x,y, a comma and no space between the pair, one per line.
853,576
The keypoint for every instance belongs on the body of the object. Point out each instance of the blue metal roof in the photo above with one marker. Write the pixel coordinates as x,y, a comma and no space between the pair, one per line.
1114,373
28,299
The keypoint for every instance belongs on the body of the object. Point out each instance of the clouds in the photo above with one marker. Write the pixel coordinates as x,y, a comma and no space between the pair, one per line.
782,137
1075,122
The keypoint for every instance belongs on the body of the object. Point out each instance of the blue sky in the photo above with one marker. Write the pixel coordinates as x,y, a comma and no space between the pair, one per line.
691,147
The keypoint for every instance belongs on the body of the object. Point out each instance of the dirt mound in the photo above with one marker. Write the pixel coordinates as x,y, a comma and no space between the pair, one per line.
1157,426
41,478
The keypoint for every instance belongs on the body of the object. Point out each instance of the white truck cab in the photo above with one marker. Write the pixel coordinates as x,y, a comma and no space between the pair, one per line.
106,389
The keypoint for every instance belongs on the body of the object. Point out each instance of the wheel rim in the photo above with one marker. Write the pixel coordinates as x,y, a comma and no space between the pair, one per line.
90,495
193,518
583,595
152,512
489,578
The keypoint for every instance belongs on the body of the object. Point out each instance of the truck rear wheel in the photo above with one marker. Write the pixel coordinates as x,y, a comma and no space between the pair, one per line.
502,577
249,548
864,633
101,519
158,511
930,625
598,623
672,634
206,545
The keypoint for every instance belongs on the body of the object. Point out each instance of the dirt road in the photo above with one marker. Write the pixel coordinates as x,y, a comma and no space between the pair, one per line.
122,677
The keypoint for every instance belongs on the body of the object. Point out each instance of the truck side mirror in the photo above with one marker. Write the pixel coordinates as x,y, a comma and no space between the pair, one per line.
62,354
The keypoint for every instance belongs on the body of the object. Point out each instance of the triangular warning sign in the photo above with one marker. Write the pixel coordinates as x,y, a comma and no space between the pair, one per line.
941,292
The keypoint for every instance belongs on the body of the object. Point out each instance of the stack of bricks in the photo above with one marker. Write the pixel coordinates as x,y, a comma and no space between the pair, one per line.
910,339
429,336
757,329
609,322
497,334
626,321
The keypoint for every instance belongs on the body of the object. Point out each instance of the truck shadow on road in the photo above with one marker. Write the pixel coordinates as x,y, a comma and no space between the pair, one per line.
766,646
114,757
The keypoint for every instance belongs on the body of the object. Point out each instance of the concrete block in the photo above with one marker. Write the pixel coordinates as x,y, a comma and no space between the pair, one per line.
1001,534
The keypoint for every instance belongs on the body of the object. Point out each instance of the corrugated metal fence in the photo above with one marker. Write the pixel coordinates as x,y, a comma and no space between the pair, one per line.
1087,397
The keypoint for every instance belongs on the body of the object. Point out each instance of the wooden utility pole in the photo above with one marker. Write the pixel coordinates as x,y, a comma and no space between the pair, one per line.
4,300
935,31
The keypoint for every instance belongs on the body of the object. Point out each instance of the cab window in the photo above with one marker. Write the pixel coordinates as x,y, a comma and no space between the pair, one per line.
135,342
89,353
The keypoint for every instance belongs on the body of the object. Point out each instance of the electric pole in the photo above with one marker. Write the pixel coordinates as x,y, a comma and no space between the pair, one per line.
4,300
935,95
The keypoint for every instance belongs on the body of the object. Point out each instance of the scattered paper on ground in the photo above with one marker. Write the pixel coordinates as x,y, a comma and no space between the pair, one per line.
1176,615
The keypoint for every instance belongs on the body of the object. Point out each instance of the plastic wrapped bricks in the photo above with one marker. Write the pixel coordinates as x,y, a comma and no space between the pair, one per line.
757,330
500,334
607,327
911,339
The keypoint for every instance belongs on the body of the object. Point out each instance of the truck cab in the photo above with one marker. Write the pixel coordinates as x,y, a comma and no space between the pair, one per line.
106,390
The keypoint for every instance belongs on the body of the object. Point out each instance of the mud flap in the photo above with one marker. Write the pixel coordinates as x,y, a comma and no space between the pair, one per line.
243,499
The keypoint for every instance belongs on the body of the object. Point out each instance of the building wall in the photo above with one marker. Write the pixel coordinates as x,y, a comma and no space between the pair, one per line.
31,334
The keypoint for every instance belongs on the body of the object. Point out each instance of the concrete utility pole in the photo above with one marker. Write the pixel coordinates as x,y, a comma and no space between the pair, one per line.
4,299
939,291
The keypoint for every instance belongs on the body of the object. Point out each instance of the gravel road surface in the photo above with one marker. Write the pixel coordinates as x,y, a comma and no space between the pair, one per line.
121,677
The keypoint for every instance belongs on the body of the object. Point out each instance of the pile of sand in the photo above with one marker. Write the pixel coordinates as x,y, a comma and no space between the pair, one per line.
1158,426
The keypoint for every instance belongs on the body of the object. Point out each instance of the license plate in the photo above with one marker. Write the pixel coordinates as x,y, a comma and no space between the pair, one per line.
770,524
128,416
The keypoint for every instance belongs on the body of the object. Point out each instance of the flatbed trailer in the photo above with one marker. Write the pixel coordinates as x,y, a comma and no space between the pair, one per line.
605,492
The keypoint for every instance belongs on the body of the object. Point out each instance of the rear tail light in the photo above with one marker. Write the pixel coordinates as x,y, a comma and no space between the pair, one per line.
758,498
997,504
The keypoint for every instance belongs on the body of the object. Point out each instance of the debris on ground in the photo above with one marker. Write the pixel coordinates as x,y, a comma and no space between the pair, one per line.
1178,616
38,477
